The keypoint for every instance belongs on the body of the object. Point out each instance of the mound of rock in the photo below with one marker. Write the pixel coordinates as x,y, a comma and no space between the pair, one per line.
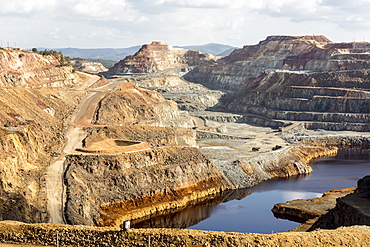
87,66
130,104
353,209
32,69
295,53
159,56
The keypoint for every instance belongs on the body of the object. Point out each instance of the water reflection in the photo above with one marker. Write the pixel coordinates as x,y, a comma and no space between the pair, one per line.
237,212
191,215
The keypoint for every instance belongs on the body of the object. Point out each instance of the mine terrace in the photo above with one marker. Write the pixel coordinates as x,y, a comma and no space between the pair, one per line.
85,149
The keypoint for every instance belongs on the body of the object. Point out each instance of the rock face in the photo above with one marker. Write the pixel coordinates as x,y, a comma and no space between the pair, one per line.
284,78
33,118
303,53
133,105
250,61
165,171
31,69
301,210
159,56
352,209
154,136
188,96
326,100
107,190
31,132
87,66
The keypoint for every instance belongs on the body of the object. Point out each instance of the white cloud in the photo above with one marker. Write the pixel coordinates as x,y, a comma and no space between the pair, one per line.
198,3
26,6
99,9
103,33
331,11
55,33
237,22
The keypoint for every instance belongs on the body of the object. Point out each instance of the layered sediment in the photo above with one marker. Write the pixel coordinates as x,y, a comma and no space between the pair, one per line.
301,210
108,189
352,209
87,66
331,101
159,56
139,157
30,138
31,69
45,234
294,53
129,104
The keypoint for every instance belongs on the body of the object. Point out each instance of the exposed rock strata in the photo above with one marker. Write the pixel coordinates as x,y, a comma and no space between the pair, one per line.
87,66
332,101
106,190
159,56
33,121
31,69
45,234
301,210
352,209
31,133
188,96
129,104
307,53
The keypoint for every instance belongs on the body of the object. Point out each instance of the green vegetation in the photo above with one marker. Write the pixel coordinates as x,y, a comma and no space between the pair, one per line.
21,55
106,63
64,60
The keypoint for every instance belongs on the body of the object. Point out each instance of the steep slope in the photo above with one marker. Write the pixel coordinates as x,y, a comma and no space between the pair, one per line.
159,56
31,69
352,209
130,104
32,126
297,53
31,134
87,66
108,189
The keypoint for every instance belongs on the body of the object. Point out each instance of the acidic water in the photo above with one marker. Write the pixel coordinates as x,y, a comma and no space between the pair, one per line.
250,210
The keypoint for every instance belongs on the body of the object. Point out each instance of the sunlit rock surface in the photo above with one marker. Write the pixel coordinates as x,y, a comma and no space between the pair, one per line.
159,56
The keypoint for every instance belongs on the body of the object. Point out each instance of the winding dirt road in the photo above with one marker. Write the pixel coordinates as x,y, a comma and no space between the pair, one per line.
74,136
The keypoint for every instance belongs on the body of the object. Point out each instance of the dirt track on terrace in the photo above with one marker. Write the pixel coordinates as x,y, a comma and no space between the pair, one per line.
74,136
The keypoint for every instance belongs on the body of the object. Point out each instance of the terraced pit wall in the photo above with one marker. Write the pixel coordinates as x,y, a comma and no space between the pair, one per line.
108,189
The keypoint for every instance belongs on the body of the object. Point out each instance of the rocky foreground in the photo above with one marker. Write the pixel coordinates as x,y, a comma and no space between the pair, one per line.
46,234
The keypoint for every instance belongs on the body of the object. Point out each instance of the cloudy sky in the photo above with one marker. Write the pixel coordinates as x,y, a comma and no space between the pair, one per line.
124,23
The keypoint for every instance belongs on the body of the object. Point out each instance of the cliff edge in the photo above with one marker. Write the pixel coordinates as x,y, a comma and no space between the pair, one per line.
353,209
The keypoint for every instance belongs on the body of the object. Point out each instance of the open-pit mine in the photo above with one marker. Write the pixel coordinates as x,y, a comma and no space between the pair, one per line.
81,154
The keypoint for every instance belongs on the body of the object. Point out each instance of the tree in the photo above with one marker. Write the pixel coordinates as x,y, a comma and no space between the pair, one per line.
34,49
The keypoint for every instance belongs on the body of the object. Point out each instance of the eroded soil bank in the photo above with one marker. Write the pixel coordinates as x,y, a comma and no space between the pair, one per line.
45,234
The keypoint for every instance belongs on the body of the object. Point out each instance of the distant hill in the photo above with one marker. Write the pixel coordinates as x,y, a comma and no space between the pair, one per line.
227,52
211,48
117,54
114,54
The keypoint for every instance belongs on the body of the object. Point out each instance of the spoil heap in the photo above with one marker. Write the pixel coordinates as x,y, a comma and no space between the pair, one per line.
87,66
159,56
306,78
353,209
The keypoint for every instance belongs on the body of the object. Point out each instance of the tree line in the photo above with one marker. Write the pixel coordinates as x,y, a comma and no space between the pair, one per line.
64,60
